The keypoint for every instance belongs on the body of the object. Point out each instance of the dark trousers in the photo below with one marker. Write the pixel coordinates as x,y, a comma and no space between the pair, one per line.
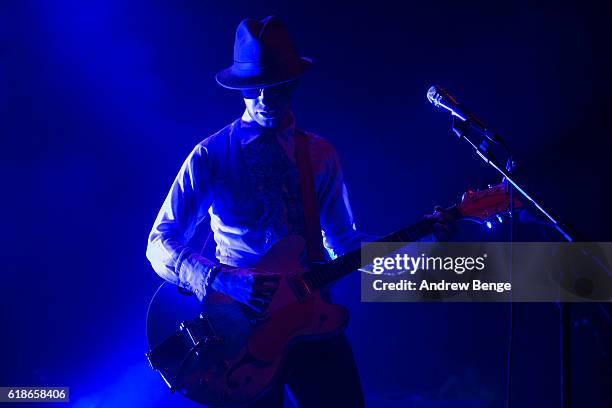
319,373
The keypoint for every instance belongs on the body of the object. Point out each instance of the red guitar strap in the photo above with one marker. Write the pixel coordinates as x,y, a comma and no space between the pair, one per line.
312,222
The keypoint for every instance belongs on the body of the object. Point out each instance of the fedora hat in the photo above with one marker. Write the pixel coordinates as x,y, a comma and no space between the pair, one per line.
263,56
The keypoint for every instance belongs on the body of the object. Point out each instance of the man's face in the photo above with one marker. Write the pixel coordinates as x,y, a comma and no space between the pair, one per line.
268,106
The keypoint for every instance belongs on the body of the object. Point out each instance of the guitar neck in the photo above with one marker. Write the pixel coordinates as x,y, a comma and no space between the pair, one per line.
351,261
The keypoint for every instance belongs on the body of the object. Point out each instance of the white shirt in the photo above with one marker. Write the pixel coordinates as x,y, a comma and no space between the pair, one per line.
250,190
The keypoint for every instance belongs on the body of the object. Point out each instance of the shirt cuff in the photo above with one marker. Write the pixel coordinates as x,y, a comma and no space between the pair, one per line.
194,274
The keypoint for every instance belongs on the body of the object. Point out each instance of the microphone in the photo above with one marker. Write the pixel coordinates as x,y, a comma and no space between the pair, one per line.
441,98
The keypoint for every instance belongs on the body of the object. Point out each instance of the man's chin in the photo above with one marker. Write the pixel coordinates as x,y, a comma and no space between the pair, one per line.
270,123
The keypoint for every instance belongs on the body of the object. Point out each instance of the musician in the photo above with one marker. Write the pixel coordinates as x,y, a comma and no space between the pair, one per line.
245,177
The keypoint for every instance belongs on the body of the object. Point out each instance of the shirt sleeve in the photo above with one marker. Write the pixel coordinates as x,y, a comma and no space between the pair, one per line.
340,234
183,209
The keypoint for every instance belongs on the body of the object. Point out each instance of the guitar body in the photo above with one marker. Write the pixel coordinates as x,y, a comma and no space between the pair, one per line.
221,353
231,356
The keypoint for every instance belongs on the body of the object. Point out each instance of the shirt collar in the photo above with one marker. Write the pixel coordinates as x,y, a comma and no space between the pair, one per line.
250,130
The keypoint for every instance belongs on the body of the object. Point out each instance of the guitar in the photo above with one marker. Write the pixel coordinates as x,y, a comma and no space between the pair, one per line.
221,353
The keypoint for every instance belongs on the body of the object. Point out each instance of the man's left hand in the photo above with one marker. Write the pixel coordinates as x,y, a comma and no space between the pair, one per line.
443,223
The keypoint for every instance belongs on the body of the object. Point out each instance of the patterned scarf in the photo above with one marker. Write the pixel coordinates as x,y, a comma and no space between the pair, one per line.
275,181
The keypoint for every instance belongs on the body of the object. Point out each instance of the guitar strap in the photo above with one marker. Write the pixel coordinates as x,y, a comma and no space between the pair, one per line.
312,222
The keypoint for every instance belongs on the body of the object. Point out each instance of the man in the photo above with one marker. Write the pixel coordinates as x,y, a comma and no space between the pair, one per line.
245,176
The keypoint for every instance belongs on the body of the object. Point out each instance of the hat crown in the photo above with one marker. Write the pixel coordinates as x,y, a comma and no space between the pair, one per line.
264,42
263,56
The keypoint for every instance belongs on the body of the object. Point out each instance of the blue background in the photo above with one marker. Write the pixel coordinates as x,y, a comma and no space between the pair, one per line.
102,100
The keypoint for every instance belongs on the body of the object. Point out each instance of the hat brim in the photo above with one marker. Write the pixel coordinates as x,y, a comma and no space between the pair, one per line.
232,79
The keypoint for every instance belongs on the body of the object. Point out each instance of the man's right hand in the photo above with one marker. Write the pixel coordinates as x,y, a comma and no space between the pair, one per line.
250,286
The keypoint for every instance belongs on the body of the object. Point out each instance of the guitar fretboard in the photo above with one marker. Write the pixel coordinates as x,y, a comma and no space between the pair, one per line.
330,272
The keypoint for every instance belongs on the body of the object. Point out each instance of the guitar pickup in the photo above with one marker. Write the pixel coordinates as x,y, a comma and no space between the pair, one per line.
299,286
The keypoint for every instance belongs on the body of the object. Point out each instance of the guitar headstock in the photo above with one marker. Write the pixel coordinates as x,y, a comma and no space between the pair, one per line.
483,205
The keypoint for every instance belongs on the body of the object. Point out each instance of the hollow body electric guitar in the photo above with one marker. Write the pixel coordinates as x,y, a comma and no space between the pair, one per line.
221,353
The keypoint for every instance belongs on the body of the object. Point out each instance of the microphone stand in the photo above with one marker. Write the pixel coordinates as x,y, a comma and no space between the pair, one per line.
462,130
